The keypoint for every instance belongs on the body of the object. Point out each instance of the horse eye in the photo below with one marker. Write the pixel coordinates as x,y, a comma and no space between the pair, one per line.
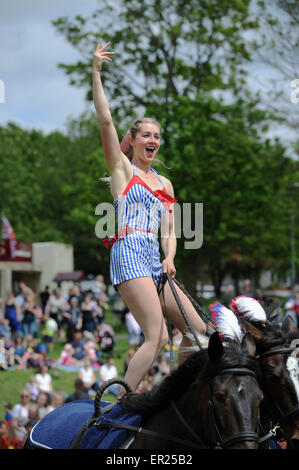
274,379
220,397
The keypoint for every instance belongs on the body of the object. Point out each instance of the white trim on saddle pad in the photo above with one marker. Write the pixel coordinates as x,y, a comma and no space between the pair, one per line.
37,444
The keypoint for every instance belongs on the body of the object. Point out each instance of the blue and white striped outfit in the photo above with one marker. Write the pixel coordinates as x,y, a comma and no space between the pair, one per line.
139,212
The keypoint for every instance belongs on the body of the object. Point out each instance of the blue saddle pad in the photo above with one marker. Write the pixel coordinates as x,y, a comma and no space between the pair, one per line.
110,438
58,429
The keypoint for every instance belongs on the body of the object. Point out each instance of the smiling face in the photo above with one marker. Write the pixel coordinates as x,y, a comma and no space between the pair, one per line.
146,143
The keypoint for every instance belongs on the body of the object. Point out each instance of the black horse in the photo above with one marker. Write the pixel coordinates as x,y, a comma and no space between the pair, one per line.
212,400
280,407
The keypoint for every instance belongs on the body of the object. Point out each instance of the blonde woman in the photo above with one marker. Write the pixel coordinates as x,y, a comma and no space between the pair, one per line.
142,199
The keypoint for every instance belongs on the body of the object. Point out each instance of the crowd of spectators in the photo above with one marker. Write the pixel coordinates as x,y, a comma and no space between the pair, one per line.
30,326
24,314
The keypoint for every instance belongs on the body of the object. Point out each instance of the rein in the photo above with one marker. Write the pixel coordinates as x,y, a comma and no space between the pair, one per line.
235,371
167,277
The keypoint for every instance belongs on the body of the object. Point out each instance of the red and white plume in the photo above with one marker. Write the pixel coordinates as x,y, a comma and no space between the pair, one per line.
249,308
225,322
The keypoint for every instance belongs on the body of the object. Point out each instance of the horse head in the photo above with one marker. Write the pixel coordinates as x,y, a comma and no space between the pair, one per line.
234,395
278,363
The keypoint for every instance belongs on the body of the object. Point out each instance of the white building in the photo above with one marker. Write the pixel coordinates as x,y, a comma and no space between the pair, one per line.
37,266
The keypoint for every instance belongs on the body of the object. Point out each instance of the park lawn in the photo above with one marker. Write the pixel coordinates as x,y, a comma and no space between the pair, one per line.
13,381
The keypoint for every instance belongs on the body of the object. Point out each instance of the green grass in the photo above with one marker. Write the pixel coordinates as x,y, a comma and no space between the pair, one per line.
13,381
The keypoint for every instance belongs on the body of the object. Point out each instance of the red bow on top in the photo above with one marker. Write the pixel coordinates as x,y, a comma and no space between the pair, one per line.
165,198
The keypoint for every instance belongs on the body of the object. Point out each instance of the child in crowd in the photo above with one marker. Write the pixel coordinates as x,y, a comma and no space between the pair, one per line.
32,386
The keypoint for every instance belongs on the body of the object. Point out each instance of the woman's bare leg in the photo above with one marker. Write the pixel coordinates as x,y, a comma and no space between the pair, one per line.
175,315
141,297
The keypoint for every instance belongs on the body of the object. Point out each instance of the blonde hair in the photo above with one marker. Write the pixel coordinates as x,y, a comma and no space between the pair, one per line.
133,131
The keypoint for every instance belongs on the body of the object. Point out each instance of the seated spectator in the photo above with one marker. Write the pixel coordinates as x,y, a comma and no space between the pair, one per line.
8,415
228,296
28,426
292,307
129,355
87,375
13,314
133,328
44,380
30,347
79,393
19,351
163,365
88,314
90,347
20,414
55,307
27,291
32,314
247,289
9,354
76,292
32,386
109,371
5,329
4,443
78,346
44,297
33,411
42,402
73,319
57,399
66,356
49,331
98,310
145,385
3,356
106,338
8,441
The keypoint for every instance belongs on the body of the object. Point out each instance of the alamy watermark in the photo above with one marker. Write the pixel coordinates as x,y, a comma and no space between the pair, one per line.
187,219
2,92
294,97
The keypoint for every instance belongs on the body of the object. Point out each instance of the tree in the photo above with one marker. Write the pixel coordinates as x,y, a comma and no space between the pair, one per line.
50,188
277,46
164,49
182,62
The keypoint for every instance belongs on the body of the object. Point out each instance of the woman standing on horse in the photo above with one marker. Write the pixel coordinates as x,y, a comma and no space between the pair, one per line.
146,198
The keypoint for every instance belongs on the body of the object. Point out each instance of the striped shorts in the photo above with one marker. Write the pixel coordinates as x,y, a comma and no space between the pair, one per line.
135,255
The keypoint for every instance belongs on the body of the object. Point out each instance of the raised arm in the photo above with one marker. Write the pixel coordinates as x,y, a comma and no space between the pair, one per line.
112,151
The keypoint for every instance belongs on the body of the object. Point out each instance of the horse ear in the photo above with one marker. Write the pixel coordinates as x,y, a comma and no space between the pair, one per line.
289,326
255,332
248,344
215,349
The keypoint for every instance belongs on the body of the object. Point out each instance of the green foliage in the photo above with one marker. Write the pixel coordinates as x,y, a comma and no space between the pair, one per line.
50,188
180,62
218,158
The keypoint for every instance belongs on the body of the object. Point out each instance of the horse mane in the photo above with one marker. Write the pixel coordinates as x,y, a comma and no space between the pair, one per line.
171,388
196,367
274,335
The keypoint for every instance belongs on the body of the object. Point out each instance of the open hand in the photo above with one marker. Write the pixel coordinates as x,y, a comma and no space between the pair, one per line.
100,55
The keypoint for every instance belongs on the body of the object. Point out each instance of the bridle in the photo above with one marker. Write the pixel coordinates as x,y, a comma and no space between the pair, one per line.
283,416
238,437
